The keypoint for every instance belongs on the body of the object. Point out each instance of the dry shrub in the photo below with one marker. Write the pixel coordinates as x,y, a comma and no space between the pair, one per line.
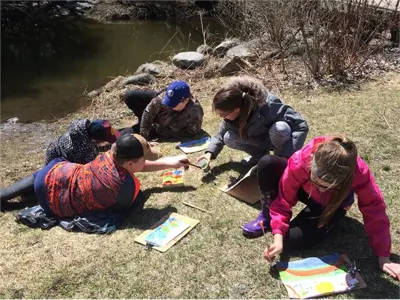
333,37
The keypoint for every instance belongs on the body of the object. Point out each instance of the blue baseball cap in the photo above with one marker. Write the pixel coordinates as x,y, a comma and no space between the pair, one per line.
176,92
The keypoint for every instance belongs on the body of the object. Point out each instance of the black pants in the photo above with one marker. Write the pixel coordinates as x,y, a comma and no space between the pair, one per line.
137,101
303,229
23,187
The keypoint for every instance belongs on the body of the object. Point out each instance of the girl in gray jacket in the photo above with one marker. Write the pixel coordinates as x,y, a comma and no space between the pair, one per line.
255,121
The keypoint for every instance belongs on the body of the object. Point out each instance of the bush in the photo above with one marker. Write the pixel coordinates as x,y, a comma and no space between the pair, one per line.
333,37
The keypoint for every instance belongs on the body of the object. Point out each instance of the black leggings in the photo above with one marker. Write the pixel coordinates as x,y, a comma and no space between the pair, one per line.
23,187
303,229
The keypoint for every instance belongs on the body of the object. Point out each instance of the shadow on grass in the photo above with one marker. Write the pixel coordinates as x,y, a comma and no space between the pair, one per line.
8,206
211,177
200,135
231,165
350,238
218,170
158,190
145,218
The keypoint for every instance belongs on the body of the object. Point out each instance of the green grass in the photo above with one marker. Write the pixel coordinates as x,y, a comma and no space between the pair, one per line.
214,260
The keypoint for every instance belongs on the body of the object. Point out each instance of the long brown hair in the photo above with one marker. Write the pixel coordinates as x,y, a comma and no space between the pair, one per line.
334,162
229,98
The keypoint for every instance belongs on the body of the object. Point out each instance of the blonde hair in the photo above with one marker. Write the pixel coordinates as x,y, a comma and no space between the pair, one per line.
334,161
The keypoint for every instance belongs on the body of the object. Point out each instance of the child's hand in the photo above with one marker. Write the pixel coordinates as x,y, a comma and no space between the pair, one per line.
393,269
275,249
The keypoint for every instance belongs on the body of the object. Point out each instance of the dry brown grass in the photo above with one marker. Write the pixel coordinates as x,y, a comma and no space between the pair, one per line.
214,260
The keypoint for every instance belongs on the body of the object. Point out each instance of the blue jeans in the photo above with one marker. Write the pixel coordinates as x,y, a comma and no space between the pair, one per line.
281,140
284,141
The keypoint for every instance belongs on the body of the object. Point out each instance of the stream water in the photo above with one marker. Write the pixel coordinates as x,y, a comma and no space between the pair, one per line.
45,68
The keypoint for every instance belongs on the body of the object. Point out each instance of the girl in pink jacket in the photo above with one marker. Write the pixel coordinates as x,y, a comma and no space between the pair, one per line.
324,175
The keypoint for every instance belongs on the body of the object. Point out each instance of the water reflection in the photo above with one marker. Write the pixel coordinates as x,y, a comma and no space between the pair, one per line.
47,67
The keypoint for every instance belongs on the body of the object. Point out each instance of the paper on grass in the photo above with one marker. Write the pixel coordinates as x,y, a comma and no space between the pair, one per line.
166,232
312,277
195,146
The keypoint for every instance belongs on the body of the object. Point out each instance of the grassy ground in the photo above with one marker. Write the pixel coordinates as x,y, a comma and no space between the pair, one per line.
214,260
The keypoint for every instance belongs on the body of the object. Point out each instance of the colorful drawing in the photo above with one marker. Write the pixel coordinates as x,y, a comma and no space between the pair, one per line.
172,178
195,146
315,276
192,223
166,232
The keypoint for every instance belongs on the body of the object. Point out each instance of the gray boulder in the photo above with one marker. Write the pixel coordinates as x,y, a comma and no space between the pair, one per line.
243,51
95,93
114,84
230,66
188,60
204,49
222,48
140,79
156,67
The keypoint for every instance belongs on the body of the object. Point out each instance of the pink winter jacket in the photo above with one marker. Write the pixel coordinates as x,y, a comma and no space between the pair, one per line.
370,198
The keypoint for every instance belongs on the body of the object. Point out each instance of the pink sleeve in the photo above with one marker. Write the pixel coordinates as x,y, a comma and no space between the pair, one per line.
373,209
281,208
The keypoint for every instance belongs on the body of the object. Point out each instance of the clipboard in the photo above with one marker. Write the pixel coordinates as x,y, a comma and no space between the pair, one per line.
245,188
192,222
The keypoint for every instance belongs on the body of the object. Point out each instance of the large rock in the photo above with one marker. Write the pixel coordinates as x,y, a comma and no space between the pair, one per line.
95,93
139,79
222,48
156,67
204,49
243,51
116,83
188,60
230,66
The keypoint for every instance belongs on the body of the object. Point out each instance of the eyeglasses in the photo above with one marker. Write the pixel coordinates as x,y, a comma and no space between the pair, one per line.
225,115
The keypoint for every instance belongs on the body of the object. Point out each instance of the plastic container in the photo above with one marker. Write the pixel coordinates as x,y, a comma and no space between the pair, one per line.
205,166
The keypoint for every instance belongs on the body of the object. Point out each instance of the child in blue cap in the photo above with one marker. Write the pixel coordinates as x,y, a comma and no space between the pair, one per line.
174,114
